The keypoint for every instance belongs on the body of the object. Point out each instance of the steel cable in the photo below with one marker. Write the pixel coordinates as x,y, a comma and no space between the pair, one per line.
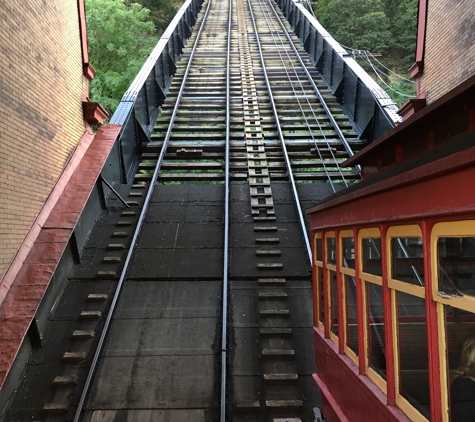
307,99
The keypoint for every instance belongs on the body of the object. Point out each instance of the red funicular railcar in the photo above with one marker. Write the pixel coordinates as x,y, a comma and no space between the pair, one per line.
394,274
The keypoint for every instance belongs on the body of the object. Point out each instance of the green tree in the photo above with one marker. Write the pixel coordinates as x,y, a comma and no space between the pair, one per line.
360,24
382,26
402,15
161,12
120,39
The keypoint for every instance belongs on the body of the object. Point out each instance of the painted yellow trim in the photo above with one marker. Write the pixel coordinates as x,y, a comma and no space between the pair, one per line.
348,271
462,228
410,289
346,233
352,355
409,410
375,279
412,230
376,378
334,337
317,235
443,361
373,233
369,233
465,228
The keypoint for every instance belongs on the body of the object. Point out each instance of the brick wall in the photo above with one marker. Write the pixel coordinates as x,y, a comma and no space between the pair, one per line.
450,46
41,119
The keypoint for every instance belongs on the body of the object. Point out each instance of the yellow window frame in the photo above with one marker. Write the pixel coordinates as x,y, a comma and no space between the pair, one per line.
395,285
461,228
402,232
369,233
372,233
346,272
328,268
319,268
465,228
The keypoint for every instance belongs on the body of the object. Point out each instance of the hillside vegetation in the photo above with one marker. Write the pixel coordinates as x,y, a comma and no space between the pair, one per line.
121,35
387,27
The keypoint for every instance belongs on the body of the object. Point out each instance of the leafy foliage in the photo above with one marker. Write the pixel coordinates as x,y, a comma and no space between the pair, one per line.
382,26
120,38
161,12
360,24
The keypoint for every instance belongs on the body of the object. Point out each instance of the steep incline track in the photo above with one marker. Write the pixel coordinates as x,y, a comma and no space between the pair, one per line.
214,316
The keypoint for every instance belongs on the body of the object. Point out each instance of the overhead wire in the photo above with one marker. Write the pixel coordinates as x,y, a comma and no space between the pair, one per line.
364,54
385,83
391,71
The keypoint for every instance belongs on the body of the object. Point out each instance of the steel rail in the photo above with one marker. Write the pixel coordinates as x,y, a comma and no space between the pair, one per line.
273,31
317,91
224,334
281,137
138,229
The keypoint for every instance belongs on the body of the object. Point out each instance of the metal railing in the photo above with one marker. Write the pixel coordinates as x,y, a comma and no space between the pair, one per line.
369,107
140,105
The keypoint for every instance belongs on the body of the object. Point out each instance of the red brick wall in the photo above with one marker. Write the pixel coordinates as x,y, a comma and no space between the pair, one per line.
41,85
450,46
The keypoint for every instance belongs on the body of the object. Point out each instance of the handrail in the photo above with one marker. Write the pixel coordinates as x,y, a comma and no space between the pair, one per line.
369,107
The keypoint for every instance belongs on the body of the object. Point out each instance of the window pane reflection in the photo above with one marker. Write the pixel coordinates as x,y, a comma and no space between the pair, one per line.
460,332
319,250
376,345
351,325
321,295
372,256
407,260
334,302
331,250
348,252
456,263
413,352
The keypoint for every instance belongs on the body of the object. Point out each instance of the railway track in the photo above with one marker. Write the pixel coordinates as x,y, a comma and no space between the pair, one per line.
199,293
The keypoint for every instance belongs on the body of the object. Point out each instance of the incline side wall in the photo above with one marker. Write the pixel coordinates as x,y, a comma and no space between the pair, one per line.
41,88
